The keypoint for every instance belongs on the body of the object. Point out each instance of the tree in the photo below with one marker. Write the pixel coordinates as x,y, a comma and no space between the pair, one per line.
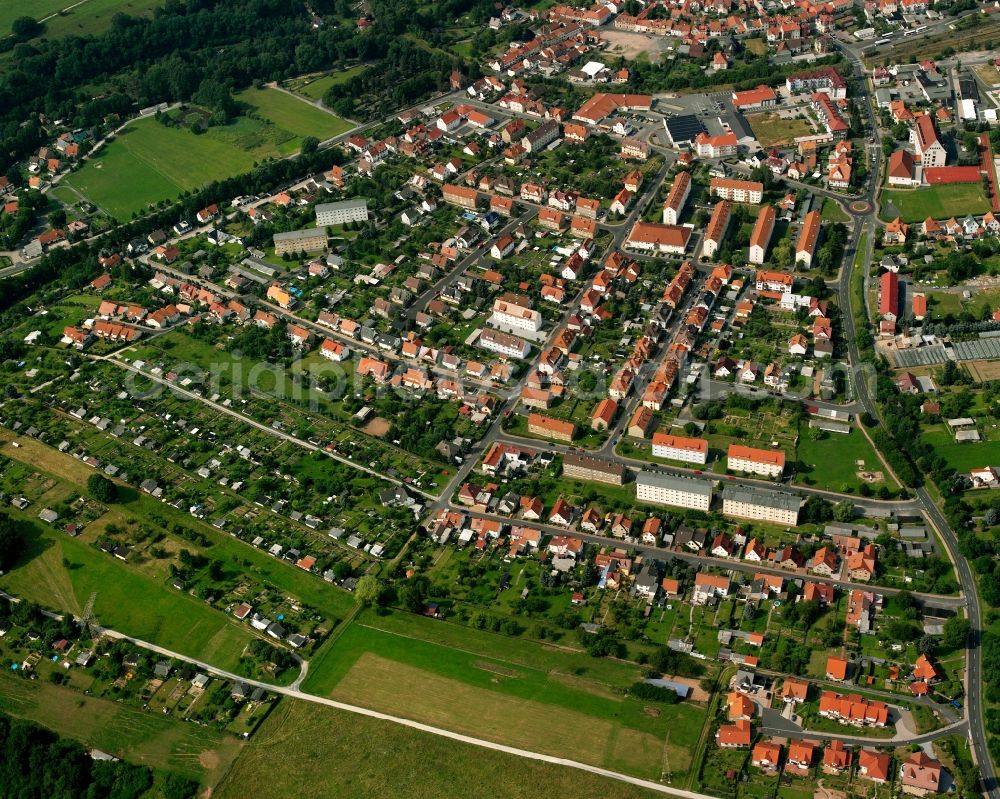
11,542
25,28
843,511
102,489
956,632
927,644
309,145
368,590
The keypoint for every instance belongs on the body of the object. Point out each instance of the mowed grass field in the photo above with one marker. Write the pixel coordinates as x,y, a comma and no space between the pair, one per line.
315,88
938,202
833,458
198,752
39,9
148,161
89,17
530,698
965,455
325,752
294,115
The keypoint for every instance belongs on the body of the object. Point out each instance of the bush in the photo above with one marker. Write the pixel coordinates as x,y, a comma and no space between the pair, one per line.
654,693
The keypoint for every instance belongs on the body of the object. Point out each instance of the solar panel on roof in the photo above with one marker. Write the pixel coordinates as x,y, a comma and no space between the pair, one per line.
684,128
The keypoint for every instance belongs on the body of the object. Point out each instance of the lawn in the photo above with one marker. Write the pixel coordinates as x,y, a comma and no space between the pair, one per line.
960,456
833,458
315,88
472,686
149,162
88,17
201,753
771,129
945,302
939,202
832,212
293,115
326,752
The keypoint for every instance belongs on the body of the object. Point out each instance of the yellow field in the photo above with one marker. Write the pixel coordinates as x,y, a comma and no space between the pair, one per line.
46,459
396,688
984,371
309,751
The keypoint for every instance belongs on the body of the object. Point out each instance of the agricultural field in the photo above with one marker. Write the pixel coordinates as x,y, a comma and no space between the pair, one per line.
196,751
773,129
289,113
938,202
504,689
327,752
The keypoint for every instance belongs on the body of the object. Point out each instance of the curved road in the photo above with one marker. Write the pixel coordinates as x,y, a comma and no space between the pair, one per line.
974,665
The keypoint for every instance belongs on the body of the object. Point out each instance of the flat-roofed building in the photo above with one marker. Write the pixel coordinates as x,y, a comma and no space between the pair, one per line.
680,492
589,467
340,213
308,240
762,504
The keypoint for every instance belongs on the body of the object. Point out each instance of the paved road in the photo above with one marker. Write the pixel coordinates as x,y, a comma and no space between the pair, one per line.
746,567
868,507
295,693
973,675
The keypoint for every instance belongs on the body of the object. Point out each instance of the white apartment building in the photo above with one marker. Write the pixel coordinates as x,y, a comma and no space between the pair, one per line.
341,213
765,462
680,492
503,344
680,448
761,504
509,315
